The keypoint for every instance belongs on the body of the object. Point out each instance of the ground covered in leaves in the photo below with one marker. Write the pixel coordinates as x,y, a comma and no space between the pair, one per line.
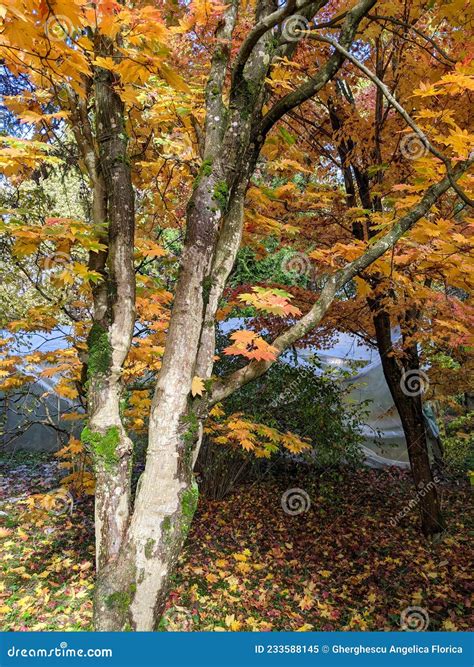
249,565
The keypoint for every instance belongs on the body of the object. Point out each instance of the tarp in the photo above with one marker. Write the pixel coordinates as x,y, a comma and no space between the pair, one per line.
384,441
25,415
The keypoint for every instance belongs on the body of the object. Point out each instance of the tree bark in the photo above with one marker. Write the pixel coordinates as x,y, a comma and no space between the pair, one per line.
104,152
410,409
114,316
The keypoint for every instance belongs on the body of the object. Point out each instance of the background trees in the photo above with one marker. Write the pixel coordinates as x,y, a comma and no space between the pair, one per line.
273,108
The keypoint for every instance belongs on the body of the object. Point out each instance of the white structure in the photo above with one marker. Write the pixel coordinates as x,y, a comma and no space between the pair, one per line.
31,418
385,443
384,439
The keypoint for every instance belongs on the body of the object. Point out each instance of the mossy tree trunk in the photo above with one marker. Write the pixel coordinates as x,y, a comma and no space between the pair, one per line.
102,142
114,312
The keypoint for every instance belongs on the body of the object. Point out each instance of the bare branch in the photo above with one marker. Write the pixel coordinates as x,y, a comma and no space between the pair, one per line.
410,26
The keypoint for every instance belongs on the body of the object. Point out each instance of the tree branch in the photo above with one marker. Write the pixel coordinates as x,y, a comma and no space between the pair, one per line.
403,113
266,24
325,74
226,386
409,26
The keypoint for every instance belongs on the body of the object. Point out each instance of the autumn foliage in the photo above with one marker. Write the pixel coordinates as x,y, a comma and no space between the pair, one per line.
168,165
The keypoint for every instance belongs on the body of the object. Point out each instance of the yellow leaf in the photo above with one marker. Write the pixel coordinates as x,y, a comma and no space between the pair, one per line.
240,557
244,568
305,628
173,79
306,602
197,386
105,63
232,623
363,288
22,535
449,625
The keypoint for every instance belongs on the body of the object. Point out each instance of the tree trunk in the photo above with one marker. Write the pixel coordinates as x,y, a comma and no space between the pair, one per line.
114,318
132,591
410,409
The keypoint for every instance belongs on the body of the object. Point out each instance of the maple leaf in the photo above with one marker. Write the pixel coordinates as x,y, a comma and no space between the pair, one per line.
275,301
231,622
250,345
306,602
197,386
307,627
150,249
174,79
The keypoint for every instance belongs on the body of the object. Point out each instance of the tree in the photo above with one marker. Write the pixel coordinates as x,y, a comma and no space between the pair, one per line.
103,73
397,370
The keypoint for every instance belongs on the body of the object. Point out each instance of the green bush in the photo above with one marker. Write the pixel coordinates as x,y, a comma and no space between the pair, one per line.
458,444
304,401
308,404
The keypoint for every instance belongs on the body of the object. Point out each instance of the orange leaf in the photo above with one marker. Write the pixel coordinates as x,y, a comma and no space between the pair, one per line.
251,346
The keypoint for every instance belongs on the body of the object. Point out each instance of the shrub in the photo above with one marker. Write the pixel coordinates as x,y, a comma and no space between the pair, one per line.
458,445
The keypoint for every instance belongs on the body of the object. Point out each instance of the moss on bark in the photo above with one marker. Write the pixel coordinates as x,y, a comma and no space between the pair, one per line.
149,547
205,170
103,447
100,351
221,194
189,502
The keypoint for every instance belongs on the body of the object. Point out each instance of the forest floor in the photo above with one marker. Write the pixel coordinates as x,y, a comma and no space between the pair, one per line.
248,565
